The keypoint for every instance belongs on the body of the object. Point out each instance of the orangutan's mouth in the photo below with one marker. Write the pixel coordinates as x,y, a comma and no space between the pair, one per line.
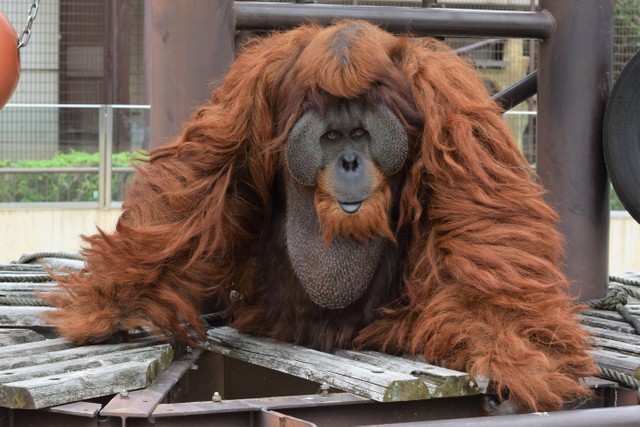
350,208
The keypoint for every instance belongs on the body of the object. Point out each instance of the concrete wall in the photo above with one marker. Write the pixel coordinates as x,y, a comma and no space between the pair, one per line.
624,243
51,229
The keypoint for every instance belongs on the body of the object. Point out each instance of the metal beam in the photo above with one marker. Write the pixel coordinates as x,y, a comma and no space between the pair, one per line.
573,86
518,92
626,416
418,21
192,46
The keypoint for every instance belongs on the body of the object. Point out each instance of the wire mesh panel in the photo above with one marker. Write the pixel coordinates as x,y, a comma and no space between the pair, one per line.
93,52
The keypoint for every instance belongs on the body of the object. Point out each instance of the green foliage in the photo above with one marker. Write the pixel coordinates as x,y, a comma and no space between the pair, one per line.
614,201
45,186
83,186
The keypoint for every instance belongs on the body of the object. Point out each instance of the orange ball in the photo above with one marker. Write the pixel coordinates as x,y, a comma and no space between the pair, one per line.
9,60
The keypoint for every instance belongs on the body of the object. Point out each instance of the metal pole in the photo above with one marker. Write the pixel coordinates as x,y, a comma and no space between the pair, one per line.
625,416
574,79
418,21
106,162
102,150
518,92
191,47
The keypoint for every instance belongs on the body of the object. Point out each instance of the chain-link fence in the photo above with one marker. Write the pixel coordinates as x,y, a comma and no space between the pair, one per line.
85,54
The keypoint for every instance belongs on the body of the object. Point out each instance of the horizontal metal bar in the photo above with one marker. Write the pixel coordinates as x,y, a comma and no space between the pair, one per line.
418,21
276,403
621,416
79,409
82,169
87,106
16,206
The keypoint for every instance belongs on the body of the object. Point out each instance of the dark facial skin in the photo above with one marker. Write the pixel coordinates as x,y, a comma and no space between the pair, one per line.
347,142
347,158
349,145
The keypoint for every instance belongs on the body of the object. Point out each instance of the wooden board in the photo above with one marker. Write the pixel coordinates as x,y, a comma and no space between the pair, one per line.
373,375
23,317
18,336
441,382
54,372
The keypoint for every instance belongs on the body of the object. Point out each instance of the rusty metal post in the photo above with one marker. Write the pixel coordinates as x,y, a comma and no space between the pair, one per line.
191,47
574,81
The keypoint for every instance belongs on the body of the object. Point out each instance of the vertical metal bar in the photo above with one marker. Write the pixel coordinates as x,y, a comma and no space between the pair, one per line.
573,85
192,46
102,147
106,160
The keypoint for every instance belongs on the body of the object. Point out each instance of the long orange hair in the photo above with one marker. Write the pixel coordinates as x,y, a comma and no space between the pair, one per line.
479,284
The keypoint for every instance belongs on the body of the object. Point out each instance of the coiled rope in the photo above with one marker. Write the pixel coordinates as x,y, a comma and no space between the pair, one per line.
616,299
21,271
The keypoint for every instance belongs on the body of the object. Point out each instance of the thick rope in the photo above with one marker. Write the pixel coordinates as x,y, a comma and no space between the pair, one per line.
27,258
22,267
31,301
616,299
625,280
622,378
615,296
30,278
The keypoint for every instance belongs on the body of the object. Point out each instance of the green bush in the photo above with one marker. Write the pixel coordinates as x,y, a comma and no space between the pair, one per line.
614,201
62,187
83,187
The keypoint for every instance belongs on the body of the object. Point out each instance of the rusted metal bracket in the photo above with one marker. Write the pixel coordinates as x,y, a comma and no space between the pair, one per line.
141,403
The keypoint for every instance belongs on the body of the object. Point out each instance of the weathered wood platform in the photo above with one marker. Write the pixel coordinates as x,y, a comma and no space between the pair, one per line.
377,376
38,372
51,372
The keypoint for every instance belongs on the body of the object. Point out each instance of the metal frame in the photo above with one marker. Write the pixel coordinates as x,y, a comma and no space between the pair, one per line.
573,85
417,21
170,401
574,78
573,88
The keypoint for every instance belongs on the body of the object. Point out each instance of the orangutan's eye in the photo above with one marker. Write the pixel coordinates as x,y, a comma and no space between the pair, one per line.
333,135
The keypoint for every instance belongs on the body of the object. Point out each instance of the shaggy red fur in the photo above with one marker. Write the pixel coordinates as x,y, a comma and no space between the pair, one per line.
473,281
371,220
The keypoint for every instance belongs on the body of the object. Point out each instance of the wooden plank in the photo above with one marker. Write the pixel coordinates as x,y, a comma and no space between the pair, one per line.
617,346
356,377
607,324
35,347
24,317
18,336
613,335
604,314
84,363
52,374
441,382
60,349
624,363
53,390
